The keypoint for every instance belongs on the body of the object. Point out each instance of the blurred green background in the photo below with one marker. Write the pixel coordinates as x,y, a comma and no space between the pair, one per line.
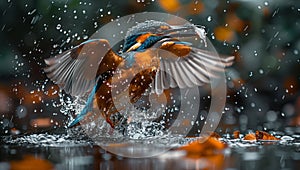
264,35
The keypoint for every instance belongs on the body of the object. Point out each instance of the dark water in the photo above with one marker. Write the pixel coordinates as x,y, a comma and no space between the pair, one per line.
64,152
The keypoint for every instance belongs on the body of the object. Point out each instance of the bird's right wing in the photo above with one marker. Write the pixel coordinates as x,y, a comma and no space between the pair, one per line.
196,68
75,71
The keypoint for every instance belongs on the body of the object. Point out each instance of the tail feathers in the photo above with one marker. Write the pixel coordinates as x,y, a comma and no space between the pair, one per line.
88,107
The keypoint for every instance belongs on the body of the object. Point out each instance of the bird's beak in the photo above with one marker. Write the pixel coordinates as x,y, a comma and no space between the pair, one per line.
181,31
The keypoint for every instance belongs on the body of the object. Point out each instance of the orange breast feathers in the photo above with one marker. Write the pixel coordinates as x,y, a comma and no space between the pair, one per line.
180,50
143,37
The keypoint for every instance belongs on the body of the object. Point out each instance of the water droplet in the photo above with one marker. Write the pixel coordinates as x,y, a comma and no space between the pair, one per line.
58,26
250,74
21,111
209,18
266,3
31,12
85,37
255,53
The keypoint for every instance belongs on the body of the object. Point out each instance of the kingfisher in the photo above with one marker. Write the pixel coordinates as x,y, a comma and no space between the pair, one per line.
156,48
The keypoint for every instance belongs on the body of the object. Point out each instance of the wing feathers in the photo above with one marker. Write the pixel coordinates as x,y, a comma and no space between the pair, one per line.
75,71
196,69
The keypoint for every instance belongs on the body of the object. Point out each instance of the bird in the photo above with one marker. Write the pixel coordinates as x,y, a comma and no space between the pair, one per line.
156,49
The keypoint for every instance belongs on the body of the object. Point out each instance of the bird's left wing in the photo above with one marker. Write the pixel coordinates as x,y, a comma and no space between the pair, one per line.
75,71
184,66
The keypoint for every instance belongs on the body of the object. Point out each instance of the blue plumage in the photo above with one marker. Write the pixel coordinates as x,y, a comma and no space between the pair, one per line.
130,41
89,103
88,107
149,42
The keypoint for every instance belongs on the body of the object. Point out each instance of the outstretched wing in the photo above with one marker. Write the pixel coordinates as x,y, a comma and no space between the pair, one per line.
75,71
194,68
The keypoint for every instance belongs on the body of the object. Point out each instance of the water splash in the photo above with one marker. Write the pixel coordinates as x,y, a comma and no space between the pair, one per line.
73,137
146,129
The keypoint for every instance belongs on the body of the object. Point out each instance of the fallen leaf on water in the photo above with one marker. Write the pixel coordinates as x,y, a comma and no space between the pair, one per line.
236,134
261,135
250,136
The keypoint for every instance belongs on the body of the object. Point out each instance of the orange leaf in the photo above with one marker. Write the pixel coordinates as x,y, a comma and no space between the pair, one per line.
236,134
204,147
261,135
250,136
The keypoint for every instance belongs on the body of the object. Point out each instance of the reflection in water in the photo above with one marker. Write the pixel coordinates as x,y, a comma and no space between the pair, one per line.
238,154
31,162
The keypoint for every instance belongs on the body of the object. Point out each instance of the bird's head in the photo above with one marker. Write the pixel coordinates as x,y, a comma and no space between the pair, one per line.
146,34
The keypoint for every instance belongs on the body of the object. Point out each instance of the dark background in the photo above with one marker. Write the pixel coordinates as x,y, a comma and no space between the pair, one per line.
263,84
